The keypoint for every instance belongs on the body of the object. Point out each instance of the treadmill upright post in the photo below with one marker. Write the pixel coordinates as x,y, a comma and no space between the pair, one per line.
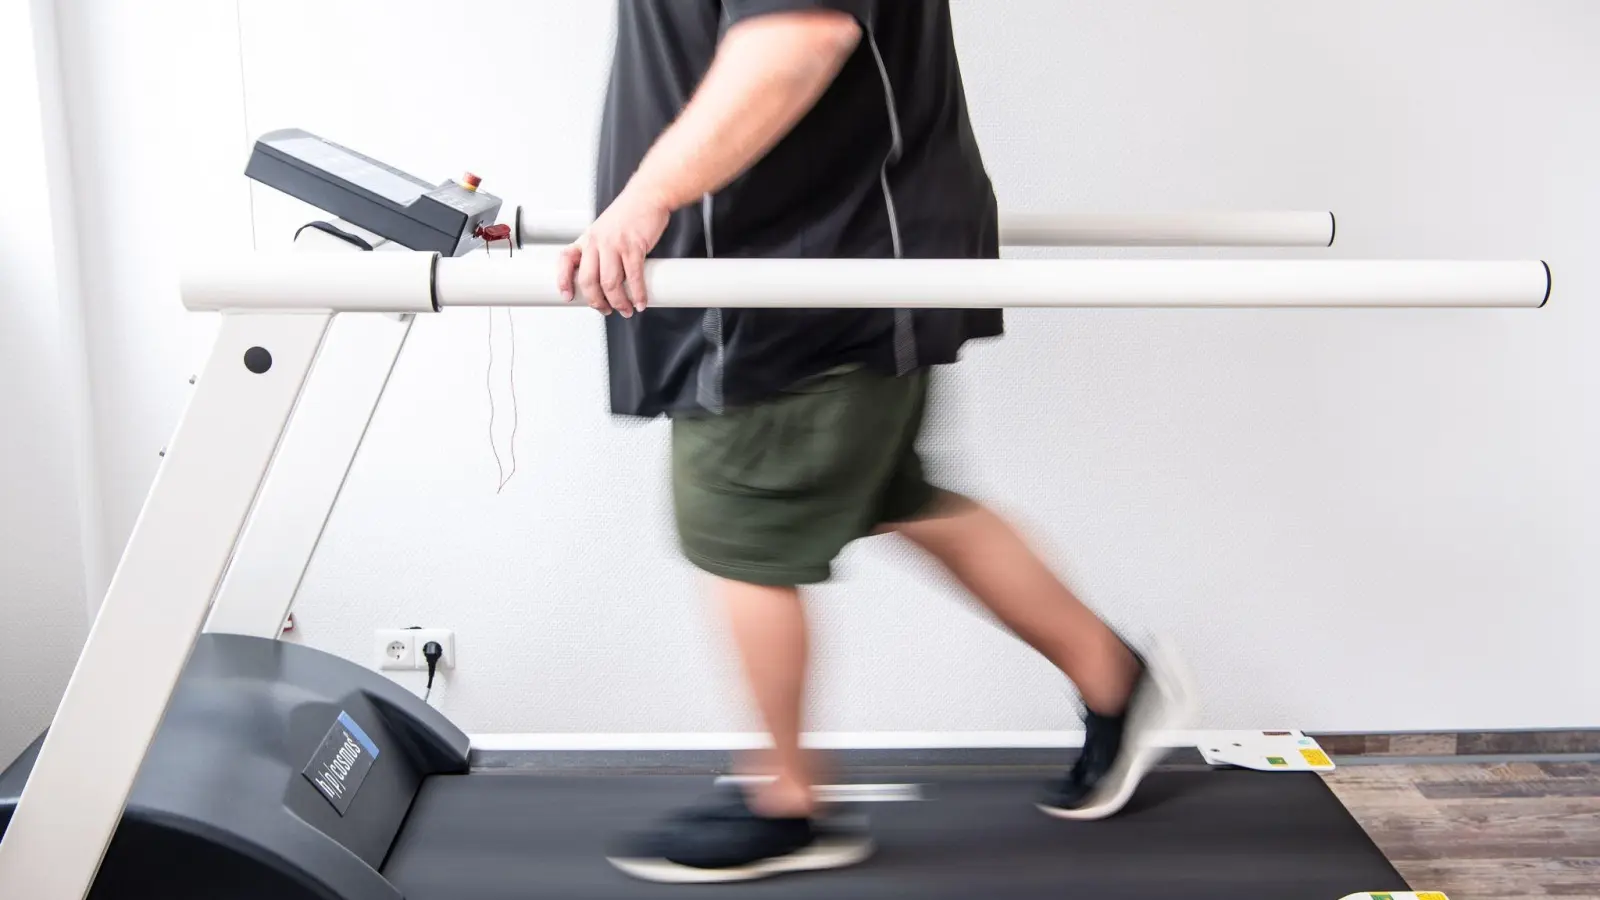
154,607
312,461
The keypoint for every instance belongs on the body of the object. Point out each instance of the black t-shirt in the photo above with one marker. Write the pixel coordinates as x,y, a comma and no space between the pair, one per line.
884,166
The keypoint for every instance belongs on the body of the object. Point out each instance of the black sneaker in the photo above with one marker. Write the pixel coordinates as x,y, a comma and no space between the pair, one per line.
1118,751
722,840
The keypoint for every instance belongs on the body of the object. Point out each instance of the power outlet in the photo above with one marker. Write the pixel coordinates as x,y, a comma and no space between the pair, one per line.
446,639
396,648
401,648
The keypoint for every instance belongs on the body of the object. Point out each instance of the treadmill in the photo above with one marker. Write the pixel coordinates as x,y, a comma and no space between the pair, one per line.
241,798
281,772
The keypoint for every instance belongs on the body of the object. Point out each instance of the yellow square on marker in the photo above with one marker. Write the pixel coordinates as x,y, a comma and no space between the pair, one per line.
1316,757
1431,895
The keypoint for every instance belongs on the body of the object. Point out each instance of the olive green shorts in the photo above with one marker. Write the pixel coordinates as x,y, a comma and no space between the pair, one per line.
771,493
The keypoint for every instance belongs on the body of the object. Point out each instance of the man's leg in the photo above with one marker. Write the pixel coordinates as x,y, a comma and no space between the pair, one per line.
769,627
1130,699
765,496
992,561
770,827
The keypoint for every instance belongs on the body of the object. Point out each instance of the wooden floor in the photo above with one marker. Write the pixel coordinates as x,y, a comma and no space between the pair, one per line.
1482,831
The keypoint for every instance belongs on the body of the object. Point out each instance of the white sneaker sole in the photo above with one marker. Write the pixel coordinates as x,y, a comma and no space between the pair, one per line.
1170,708
832,853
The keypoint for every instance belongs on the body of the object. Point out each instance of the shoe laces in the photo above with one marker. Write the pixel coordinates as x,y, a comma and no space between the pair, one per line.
1099,749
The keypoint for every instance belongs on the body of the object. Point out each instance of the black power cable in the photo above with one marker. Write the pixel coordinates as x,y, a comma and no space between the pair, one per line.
432,652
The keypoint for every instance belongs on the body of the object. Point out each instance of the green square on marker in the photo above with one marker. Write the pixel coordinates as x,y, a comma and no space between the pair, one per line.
1279,761
1382,897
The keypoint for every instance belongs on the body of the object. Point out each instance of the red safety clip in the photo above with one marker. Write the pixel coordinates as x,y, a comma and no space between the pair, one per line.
492,233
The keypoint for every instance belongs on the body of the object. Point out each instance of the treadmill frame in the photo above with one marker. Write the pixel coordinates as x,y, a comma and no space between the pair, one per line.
216,470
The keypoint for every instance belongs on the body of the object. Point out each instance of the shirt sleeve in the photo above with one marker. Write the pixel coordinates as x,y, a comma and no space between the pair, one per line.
739,10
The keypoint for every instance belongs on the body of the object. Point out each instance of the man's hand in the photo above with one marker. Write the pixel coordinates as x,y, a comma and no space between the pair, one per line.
606,264
768,72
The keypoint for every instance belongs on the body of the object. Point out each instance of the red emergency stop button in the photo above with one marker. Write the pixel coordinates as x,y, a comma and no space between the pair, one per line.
471,181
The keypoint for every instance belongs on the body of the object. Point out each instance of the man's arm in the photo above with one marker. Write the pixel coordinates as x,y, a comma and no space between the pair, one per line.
768,72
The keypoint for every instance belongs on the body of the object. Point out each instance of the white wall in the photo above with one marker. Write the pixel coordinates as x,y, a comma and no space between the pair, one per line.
157,142
42,608
135,162
1349,520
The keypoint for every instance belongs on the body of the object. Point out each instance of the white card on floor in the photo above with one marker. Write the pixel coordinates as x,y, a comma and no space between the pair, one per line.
1265,751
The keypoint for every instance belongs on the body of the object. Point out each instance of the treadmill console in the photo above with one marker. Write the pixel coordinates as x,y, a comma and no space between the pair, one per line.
386,201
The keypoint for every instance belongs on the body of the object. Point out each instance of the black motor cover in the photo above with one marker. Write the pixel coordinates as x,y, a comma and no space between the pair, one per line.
223,807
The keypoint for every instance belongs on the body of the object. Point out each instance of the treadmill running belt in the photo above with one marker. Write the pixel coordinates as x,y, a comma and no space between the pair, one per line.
1188,835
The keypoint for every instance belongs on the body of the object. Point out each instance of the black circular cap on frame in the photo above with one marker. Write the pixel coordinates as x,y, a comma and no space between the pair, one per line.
257,360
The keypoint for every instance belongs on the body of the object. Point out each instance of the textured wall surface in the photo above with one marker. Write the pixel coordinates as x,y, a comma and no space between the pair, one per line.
1348,520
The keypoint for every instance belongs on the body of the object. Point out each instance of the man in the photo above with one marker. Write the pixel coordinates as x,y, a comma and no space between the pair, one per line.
817,129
